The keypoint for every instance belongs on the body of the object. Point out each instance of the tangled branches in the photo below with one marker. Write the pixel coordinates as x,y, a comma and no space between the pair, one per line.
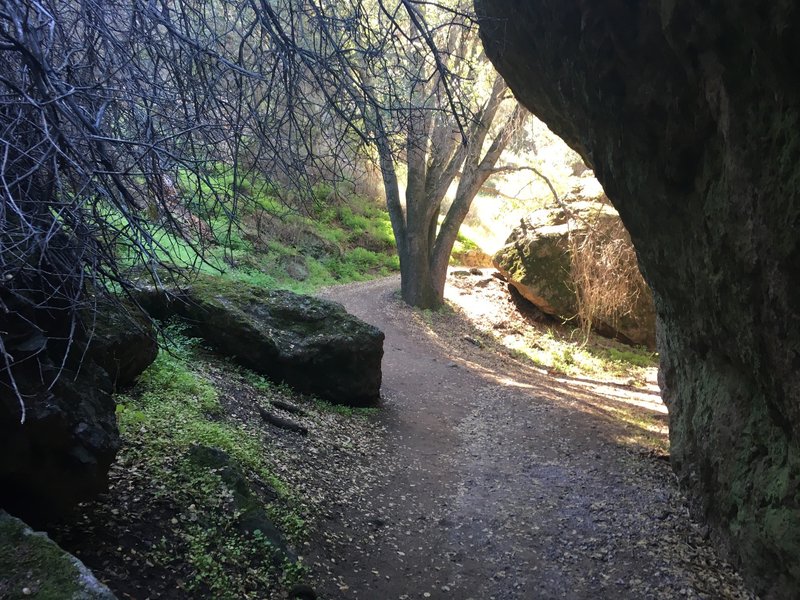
106,105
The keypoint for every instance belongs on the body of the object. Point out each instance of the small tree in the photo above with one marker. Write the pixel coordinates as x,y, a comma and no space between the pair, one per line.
424,245
439,132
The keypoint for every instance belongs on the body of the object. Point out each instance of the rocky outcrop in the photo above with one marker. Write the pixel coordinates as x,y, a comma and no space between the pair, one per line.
688,113
536,262
61,452
311,344
33,566
539,261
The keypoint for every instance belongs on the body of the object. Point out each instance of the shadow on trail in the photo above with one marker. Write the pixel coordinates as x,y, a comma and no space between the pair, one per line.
507,482
633,417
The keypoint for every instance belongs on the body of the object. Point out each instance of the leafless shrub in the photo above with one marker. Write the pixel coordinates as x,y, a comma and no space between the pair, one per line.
605,274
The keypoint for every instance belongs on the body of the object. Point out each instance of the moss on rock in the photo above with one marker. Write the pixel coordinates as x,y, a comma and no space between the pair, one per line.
313,345
688,114
33,566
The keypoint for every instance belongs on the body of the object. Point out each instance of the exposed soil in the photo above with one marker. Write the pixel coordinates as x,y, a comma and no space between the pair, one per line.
497,480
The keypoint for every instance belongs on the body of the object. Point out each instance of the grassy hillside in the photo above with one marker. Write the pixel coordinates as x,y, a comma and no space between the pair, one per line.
257,238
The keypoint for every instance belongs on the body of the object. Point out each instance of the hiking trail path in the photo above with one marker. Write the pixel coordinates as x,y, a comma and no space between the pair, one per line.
504,482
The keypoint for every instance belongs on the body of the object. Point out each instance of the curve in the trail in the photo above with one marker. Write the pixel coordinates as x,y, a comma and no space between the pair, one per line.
505,485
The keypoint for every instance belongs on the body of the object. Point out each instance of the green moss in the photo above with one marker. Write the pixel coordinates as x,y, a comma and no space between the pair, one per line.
223,528
176,408
639,357
35,562
462,246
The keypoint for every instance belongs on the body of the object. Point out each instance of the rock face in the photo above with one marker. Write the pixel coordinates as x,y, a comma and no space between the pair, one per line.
33,566
538,262
61,454
123,343
313,345
689,115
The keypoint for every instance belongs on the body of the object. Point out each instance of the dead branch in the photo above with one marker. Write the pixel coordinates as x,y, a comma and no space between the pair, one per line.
282,423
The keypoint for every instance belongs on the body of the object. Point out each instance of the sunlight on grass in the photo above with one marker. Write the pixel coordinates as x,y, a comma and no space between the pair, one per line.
595,374
562,354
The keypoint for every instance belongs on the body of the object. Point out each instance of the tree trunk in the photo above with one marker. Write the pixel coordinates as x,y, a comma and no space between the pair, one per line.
427,247
417,281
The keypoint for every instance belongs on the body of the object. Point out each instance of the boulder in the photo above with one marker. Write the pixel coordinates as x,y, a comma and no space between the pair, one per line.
61,453
311,344
123,342
34,566
688,113
535,260
313,244
295,267
538,262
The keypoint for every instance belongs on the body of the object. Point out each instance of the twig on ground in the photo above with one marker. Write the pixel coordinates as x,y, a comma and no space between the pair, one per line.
277,421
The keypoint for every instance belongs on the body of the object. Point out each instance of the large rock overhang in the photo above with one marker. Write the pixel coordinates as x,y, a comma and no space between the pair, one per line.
689,114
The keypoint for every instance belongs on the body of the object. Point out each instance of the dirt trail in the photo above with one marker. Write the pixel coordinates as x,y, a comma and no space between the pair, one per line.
505,484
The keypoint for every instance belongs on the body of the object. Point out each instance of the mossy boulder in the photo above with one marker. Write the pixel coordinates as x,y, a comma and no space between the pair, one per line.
34,566
537,261
311,344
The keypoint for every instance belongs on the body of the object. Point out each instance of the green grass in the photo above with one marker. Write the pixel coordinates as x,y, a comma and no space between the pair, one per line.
356,220
183,409
360,264
357,231
560,354
174,407
461,247
638,357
